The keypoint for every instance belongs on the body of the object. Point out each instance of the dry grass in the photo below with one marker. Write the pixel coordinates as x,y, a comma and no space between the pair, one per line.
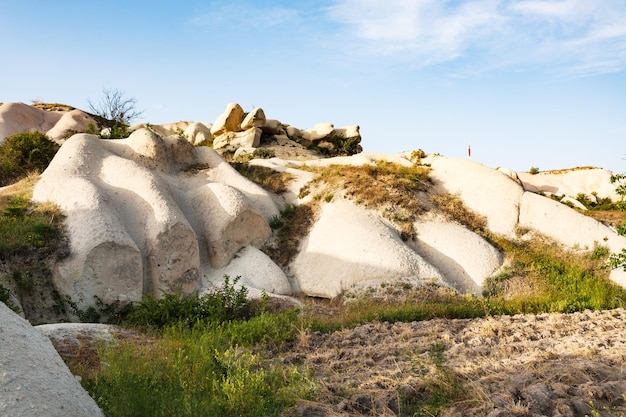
454,208
23,187
52,106
610,217
267,178
394,190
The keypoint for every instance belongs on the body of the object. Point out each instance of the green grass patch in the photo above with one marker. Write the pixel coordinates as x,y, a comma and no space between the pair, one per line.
26,226
200,371
210,355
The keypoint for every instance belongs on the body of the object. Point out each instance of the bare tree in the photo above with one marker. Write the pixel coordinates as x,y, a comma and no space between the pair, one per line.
114,106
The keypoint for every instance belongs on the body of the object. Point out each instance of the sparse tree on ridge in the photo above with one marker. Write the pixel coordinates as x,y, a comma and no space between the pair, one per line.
114,106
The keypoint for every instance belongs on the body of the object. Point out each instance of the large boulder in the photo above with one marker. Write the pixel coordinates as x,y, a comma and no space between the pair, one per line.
256,270
34,380
229,121
350,245
319,132
250,138
256,118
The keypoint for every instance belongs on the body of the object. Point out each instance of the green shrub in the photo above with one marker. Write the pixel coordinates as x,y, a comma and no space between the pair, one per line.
224,304
24,153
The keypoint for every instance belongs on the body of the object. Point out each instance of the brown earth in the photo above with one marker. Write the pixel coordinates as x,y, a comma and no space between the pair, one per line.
524,365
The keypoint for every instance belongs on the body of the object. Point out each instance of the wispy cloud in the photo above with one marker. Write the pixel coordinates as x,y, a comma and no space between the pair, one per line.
236,14
579,37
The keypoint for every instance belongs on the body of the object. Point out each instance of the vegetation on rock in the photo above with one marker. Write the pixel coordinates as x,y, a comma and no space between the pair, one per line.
25,153
618,260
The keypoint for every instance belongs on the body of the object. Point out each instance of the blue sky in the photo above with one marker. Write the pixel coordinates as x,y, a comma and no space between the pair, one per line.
526,83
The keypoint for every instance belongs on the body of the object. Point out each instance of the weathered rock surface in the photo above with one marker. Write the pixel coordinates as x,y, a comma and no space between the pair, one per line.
589,181
229,121
19,117
464,258
484,190
34,380
569,227
142,219
350,245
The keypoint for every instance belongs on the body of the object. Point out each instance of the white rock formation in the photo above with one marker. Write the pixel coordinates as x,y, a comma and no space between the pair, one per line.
571,182
319,131
482,189
196,133
19,117
71,122
464,258
349,245
569,227
34,380
142,218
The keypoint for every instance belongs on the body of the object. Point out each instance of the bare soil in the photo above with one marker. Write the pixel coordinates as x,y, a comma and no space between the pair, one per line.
524,365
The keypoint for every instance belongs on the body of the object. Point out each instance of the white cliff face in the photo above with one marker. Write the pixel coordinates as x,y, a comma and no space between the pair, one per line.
34,380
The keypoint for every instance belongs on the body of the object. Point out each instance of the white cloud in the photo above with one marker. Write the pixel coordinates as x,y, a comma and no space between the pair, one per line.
565,9
580,37
235,14
426,28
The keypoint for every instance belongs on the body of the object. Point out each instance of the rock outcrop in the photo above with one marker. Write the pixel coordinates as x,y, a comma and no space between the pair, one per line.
152,213
34,380
593,183
234,129
144,216
20,117
350,245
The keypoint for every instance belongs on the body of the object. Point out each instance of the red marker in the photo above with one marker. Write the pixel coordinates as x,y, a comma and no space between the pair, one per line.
469,151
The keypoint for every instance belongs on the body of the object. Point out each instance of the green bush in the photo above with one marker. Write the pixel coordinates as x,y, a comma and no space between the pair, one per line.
224,304
24,153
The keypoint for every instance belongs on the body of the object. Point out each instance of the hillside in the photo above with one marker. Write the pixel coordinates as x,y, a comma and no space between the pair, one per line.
304,215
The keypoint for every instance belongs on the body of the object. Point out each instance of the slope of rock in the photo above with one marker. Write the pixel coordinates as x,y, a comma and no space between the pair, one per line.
350,245
593,182
34,380
19,117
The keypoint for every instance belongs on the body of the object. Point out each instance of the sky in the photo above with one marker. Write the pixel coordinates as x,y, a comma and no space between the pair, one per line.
525,83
